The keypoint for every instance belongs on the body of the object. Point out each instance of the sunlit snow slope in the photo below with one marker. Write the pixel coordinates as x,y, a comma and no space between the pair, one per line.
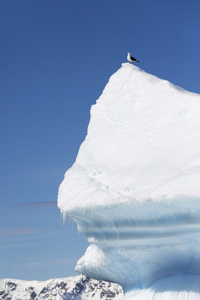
134,189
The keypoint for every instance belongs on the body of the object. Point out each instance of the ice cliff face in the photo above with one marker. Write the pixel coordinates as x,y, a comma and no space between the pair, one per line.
134,189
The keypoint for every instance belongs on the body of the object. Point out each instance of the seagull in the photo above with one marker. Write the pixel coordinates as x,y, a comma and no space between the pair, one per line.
131,58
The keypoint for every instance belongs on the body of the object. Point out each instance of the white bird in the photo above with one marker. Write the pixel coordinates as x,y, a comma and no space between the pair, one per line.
131,58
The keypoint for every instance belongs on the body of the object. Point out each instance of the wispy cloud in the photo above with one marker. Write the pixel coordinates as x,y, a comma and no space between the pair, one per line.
67,261
21,207
16,231
38,204
33,264
17,245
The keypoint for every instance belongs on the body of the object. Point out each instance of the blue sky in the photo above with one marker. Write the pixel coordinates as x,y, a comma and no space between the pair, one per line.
55,58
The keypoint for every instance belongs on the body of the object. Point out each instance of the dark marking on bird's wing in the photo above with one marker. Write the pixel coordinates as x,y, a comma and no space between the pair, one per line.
133,58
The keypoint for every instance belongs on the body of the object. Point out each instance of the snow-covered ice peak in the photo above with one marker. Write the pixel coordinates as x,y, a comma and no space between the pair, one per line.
143,143
134,189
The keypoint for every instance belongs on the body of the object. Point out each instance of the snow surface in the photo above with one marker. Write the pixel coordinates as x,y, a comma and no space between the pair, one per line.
70,288
134,189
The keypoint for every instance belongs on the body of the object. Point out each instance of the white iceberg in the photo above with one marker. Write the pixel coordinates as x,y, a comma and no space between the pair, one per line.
134,189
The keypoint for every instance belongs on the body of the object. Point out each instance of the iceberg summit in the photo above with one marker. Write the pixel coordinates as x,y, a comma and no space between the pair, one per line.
134,190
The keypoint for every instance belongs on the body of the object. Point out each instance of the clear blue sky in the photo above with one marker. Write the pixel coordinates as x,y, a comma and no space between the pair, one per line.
55,58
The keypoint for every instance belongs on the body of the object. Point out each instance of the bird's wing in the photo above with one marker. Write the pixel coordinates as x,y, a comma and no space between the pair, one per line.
133,58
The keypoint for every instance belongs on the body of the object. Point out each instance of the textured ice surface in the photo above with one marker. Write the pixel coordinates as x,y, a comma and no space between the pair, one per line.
134,189
181,287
